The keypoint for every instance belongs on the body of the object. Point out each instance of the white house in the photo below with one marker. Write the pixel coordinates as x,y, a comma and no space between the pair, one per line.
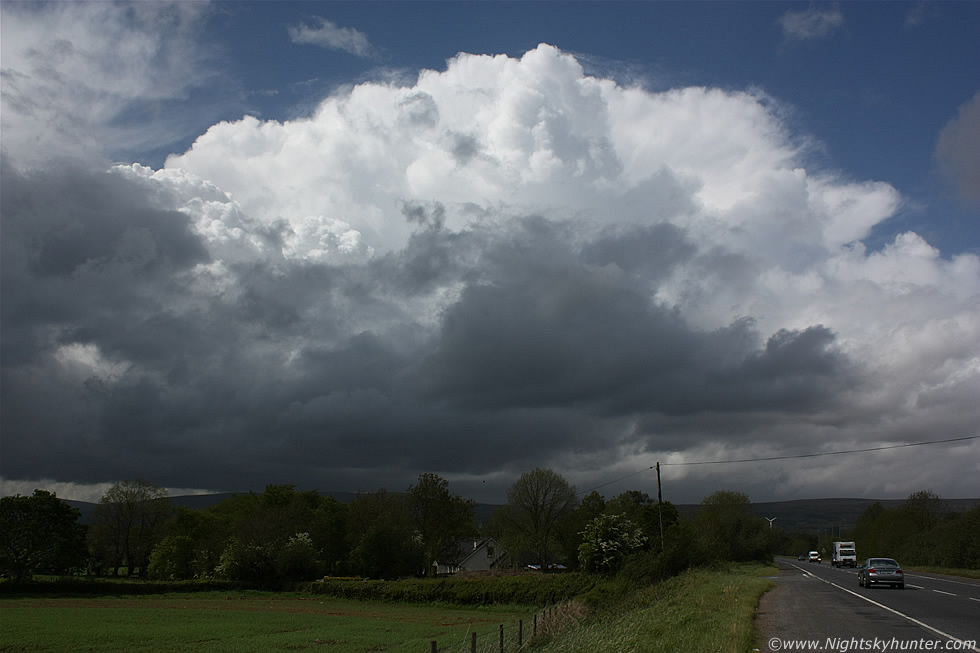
484,555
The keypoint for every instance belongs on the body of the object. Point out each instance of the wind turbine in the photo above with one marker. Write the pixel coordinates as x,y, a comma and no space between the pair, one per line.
771,520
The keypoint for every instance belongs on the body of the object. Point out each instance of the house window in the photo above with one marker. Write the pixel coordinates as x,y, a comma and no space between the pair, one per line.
489,550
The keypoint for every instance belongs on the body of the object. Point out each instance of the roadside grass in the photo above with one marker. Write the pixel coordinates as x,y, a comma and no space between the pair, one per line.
965,573
700,610
244,622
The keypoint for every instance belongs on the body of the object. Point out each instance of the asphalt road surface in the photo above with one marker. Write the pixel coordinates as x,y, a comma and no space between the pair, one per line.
819,608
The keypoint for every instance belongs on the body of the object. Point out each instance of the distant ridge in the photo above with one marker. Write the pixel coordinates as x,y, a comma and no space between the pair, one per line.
813,515
194,502
807,515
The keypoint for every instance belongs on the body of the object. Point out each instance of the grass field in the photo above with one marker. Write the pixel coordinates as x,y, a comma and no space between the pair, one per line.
244,622
700,610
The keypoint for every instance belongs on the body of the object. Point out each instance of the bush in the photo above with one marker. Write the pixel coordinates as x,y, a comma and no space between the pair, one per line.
297,559
683,549
607,540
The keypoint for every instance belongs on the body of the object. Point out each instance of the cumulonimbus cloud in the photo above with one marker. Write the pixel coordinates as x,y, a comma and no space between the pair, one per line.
507,257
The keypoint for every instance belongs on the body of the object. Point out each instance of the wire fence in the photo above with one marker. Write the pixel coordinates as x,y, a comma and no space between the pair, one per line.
505,640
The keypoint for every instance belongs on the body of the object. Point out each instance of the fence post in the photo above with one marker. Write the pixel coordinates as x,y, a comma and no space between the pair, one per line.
473,643
501,638
520,632
534,632
435,647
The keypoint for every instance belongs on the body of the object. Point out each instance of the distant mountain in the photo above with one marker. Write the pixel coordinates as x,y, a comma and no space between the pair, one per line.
815,515
192,501
807,515
87,509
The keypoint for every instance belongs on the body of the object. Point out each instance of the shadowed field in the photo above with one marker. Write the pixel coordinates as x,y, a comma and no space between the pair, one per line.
243,622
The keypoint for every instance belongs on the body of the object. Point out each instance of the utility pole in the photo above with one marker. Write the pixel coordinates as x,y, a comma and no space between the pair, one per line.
660,507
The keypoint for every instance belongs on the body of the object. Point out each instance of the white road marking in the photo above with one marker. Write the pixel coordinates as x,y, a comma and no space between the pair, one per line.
942,592
918,587
893,611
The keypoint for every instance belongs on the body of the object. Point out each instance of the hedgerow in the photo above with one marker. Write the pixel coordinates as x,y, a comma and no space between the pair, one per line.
104,587
521,589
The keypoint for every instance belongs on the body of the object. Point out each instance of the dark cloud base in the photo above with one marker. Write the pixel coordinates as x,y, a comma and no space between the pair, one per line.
553,347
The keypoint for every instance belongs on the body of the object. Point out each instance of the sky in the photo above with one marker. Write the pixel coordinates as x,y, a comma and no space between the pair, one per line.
338,245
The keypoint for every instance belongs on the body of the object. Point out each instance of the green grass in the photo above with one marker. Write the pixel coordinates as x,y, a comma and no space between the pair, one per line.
965,573
243,622
700,610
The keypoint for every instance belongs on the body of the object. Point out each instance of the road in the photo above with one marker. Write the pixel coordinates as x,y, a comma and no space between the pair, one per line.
818,603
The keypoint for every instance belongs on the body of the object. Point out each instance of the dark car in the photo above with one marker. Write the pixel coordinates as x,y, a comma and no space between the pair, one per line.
801,557
881,571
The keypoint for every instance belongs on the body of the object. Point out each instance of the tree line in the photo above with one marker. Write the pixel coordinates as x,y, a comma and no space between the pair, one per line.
922,531
282,535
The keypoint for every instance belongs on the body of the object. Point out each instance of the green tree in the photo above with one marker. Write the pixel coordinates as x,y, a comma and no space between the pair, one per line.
262,539
269,541
644,512
606,542
208,531
329,532
439,518
249,562
923,510
956,541
39,533
866,533
173,558
383,541
537,504
129,521
591,506
731,531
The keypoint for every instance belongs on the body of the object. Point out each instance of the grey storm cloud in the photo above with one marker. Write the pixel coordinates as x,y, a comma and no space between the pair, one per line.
553,337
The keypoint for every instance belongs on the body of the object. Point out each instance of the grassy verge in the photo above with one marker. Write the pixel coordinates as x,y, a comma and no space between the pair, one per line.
244,622
700,610
964,573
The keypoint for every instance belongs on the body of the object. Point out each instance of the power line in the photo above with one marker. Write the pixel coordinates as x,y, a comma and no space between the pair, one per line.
802,455
825,453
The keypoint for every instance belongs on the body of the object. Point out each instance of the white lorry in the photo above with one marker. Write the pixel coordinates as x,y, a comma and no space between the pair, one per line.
845,555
